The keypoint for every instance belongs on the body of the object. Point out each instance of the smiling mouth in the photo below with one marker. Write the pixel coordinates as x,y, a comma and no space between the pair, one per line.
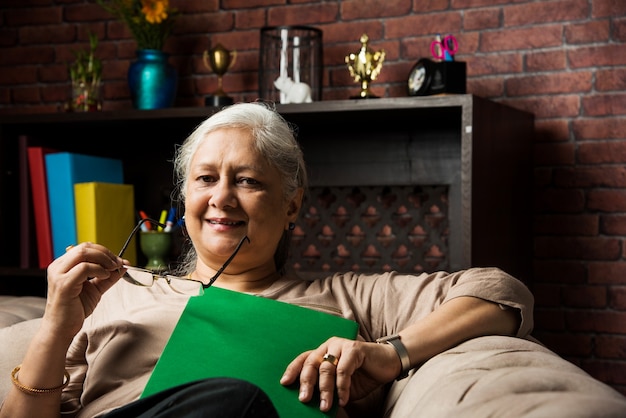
234,223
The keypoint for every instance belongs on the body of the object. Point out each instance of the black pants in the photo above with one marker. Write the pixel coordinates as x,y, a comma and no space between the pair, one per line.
215,397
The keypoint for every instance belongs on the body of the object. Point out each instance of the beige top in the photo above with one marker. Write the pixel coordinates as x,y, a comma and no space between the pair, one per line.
111,358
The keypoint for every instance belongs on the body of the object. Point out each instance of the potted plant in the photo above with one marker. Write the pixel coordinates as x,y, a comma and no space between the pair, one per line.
149,21
86,77
152,80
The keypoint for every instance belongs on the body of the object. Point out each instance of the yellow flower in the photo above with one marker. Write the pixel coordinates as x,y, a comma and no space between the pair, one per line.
155,10
150,21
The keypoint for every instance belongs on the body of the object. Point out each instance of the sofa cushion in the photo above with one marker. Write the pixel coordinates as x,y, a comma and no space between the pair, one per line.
20,317
14,309
502,376
15,340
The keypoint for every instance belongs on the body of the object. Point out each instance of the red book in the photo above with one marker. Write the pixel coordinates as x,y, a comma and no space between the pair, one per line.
28,253
39,187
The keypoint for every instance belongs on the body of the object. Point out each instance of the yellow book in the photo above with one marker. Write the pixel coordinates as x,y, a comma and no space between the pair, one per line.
105,214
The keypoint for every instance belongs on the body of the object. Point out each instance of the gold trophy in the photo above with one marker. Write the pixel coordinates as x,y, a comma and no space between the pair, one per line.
364,67
219,60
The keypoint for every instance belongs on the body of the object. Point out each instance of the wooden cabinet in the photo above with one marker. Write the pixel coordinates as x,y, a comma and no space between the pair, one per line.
477,150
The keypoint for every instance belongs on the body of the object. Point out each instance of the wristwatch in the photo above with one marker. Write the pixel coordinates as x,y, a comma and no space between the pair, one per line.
394,340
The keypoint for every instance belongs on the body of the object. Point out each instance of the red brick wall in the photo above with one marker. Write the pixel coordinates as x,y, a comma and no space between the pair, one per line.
563,60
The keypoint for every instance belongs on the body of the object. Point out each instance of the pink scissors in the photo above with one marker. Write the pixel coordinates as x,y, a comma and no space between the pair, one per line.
444,49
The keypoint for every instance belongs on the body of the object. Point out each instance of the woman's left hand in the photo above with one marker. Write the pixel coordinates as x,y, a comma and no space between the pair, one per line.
360,368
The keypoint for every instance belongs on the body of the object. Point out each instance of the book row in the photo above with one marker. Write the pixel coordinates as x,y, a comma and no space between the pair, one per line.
73,198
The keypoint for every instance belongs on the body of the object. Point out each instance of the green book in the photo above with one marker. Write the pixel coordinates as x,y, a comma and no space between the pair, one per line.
230,334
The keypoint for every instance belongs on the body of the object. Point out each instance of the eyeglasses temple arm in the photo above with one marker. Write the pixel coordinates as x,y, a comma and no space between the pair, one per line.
214,278
135,229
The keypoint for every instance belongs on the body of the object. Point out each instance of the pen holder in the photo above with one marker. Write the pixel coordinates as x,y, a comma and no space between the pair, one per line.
155,245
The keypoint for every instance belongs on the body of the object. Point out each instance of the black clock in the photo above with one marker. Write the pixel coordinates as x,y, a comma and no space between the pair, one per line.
428,77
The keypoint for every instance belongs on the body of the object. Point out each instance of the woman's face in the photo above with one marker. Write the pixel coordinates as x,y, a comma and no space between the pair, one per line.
233,191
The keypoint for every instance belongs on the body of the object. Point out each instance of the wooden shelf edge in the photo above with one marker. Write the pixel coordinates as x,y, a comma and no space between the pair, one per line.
202,112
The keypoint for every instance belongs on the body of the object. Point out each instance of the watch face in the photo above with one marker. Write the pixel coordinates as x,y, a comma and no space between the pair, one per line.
419,78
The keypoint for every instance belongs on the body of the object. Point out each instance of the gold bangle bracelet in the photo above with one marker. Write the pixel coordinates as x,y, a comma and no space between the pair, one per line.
36,391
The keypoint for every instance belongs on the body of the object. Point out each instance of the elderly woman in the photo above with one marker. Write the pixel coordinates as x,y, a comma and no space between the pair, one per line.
241,174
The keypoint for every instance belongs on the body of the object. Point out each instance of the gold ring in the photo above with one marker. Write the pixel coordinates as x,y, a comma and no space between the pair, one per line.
69,247
331,359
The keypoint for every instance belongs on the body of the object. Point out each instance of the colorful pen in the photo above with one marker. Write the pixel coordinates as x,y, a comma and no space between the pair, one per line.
146,226
162,220
169,223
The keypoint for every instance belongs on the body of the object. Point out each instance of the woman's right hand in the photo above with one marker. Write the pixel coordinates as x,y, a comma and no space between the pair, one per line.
76,282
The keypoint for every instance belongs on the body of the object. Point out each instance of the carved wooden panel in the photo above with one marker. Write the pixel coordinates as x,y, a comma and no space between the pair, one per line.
373,229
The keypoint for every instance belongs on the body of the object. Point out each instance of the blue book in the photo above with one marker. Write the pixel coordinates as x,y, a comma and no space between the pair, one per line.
63,170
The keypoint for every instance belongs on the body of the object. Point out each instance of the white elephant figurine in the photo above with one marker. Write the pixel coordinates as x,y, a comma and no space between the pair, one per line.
293,92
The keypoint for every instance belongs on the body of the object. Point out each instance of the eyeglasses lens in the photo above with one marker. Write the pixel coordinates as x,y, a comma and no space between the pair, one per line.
138,277
146,278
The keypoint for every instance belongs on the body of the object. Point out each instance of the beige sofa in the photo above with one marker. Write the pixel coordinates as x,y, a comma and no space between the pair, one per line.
483,377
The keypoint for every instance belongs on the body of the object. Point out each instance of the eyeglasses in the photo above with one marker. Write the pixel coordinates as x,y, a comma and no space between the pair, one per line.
146,278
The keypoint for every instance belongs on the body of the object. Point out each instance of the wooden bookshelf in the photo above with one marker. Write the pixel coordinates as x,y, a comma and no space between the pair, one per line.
478,148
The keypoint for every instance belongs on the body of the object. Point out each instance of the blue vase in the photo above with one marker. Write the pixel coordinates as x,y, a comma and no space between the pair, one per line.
152,80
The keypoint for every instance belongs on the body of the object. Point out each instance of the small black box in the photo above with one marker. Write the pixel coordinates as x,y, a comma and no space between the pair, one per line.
428,77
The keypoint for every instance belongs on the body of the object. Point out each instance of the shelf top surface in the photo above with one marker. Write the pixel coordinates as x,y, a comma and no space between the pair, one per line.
327,106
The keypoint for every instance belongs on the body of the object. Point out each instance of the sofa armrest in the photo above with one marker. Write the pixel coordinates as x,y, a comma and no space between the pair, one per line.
502,376
20,317
14,341
14,309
